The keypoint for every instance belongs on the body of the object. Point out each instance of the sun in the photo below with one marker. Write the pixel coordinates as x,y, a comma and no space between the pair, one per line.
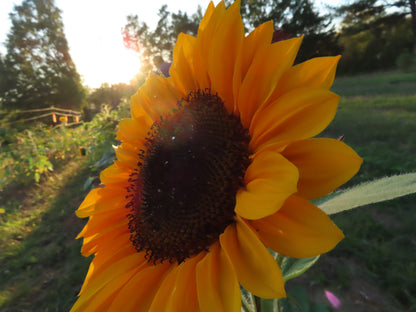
116,64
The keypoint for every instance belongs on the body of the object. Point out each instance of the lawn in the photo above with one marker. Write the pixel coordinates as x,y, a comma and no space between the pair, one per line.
372,269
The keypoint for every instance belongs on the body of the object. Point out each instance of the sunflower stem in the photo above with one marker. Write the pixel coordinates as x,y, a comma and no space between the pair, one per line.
258,303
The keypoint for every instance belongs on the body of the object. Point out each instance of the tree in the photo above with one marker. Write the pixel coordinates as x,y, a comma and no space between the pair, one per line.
40,71
374,33
156,46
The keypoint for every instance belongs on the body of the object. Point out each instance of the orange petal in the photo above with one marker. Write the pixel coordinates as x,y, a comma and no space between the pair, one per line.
102,199
101,222
178,290
299,229
115,275
107,256
324,165
128,154
256,269
99,301
158,96
299,114
206,32
138,293
261,79
181,70
115,174
256,42
318,72
270,179
223,52
217,285
132,131
137,111
92,244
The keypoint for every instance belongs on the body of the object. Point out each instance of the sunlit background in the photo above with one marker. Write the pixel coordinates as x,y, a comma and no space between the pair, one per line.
93,30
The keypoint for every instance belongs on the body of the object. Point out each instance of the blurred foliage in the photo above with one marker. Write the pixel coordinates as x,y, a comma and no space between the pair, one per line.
28,155
37,70
406,62
107,96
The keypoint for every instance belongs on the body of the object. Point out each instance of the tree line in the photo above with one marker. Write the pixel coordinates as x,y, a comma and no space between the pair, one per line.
370,34
37,70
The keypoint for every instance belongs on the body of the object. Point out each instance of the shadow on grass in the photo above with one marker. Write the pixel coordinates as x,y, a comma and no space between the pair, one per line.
45,271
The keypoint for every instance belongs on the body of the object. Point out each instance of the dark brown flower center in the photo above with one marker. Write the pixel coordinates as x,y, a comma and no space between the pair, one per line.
183,193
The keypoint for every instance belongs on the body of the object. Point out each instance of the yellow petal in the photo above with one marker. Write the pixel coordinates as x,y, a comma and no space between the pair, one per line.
137,111
158,96
318,72
217,285
115,275
138,293
98,223
258,40
115,174
261,79
108,256
206,18
299,229
207,30
178,290
181,70
92,244
102,199
225,46
297,115
256,269
128,154
132,131
324,165
167,288
270,179
98,301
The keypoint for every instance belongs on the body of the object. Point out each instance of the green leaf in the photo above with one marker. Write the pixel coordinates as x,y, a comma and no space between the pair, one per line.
2,210
371,192
88,183
37,177
292,267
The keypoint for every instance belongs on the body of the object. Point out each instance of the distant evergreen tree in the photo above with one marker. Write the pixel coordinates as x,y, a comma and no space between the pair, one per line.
38,67
375,34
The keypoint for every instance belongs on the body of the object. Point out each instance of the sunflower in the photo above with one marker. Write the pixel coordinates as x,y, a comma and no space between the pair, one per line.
217,165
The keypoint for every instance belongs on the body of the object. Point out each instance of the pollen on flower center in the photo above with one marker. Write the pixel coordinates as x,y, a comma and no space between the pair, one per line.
183,193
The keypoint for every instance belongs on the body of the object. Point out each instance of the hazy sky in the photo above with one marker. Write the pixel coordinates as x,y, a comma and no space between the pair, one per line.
92,28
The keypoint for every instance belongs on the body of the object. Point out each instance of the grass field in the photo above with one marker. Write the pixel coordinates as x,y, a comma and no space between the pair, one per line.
372,269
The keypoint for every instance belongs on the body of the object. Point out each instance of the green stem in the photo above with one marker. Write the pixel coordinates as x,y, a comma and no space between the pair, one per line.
258,303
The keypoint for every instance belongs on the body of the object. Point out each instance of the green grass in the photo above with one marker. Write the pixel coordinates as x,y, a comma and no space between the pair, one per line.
41,267
376,84
372,269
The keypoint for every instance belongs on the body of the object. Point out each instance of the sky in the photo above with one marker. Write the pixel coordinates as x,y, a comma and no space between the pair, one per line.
93,30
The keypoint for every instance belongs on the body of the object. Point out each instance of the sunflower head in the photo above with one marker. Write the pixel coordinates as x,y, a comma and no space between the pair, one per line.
172,193
217,164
